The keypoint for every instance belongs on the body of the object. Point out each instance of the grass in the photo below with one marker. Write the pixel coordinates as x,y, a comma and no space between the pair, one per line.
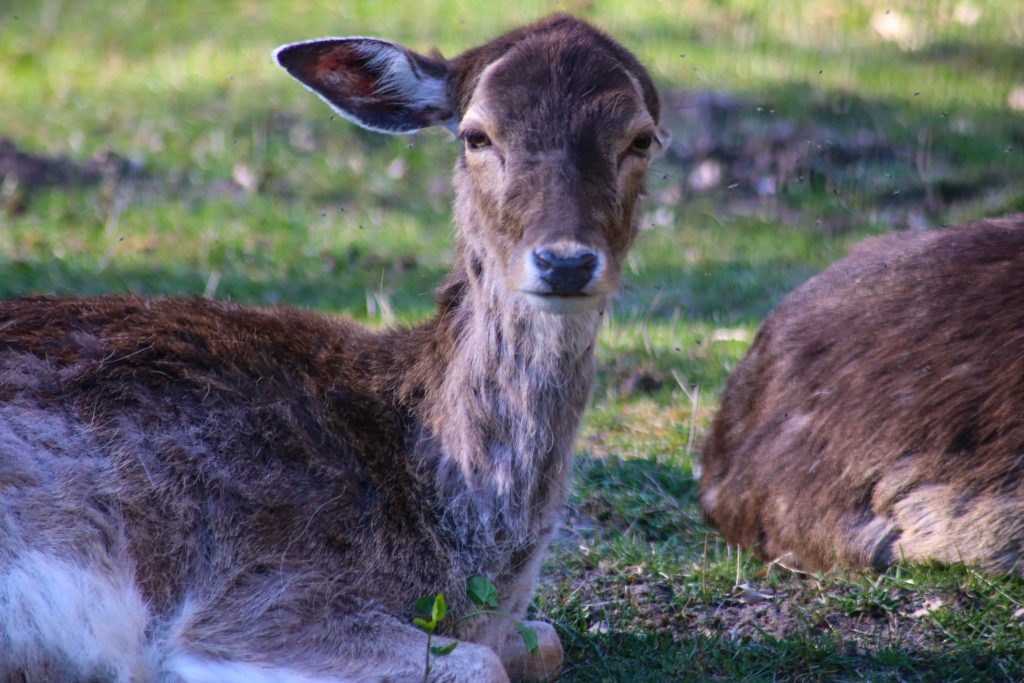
824,121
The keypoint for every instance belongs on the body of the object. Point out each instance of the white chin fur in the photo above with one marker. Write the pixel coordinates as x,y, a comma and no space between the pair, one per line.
564,305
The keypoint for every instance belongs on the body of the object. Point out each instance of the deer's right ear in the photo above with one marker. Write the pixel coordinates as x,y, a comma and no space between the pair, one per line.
374,83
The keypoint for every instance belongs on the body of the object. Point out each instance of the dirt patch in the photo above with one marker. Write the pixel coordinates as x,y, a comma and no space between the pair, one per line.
805,608
727,142
750,158
39,170
22,173
641,382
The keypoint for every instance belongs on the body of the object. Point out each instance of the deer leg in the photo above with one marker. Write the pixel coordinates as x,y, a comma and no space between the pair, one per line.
277,635
542,665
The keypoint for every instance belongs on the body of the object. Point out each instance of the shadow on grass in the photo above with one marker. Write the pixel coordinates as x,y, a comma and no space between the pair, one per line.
724,292
653,500
993,58
642,658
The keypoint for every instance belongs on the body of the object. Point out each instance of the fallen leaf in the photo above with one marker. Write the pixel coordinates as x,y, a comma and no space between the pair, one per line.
749,596
926,609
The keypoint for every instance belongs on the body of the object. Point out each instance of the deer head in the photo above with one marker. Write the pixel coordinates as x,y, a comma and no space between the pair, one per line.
557,124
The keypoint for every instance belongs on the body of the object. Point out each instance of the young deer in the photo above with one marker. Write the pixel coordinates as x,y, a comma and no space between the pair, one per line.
879,415
200,491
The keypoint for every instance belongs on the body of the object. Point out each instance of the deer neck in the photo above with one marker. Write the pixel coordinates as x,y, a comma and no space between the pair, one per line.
499,427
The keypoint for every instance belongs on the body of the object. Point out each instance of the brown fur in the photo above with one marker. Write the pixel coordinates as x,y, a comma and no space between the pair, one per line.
279,487
879,415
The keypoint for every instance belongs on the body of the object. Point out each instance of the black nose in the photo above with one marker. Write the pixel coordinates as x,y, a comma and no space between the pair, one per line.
565,275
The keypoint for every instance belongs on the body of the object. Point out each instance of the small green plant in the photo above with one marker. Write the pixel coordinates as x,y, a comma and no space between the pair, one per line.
482,593
435,608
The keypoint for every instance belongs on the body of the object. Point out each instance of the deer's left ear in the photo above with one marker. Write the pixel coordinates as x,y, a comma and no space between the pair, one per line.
376,84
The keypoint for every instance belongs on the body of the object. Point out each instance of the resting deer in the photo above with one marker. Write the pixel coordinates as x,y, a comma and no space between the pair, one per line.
200,491
879,416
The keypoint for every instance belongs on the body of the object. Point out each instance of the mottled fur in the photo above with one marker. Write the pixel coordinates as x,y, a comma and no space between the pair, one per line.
879,415
216,492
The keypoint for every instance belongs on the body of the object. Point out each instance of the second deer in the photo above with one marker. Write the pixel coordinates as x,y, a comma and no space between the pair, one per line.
879,416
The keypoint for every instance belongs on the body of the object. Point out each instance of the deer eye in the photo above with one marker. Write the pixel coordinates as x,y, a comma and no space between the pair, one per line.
476,139
641,143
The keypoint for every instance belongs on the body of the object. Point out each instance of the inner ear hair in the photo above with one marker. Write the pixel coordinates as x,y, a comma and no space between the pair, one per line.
374,83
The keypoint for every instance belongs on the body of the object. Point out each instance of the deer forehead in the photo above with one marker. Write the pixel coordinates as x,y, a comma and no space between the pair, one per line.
540,96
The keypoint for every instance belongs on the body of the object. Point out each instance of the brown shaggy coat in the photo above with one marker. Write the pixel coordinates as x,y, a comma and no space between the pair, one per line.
201,491
879,415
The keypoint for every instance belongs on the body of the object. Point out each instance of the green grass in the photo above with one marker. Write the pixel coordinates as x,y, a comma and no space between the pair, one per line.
230,180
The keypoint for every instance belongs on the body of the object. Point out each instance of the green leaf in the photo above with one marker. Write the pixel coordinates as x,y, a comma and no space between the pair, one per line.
529,637
439,610
425,605
427,626
442,650
482,592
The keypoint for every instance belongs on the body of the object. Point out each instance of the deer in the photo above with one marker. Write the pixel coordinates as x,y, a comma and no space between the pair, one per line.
878,417
196,490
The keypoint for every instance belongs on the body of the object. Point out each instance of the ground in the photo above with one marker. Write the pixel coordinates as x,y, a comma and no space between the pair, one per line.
154,148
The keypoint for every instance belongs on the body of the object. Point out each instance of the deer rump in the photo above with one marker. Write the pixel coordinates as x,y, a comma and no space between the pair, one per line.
879,415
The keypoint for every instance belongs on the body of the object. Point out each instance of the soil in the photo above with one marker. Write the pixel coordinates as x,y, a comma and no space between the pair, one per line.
23,172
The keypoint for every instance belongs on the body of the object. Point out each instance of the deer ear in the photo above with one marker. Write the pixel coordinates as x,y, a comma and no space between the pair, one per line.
374,83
